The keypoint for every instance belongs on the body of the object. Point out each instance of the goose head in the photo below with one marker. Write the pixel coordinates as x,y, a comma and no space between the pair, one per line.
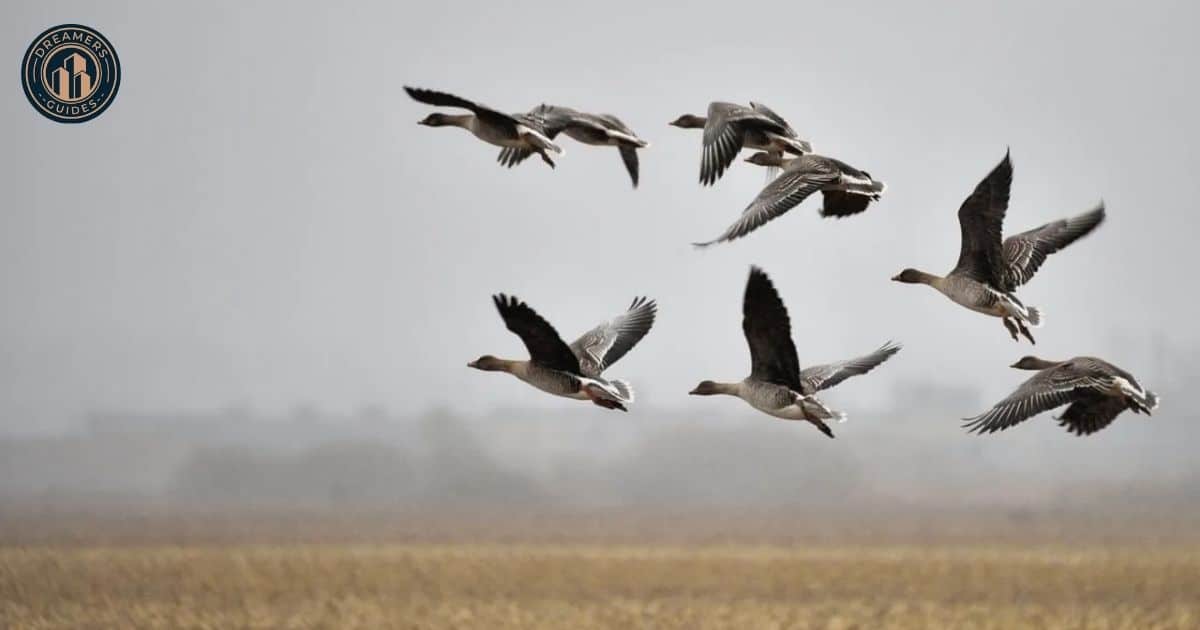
712,388
912,276
1030,362
689,121
764,158
488,363
436,120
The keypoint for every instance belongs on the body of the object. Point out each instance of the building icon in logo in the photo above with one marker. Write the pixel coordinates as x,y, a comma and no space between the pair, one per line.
71,73
71,81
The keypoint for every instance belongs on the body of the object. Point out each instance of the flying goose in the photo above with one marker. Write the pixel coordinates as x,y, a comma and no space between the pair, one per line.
776,385
845,189
572,371
593,129
487,124
1097,391
990,270
729,127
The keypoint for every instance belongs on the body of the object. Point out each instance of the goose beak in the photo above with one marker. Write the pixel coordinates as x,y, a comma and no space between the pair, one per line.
694,392
473,364
896,278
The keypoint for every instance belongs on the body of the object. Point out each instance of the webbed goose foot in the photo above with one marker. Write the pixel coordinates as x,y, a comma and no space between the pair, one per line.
1012,328
824,428
1025,331
608,404
546,158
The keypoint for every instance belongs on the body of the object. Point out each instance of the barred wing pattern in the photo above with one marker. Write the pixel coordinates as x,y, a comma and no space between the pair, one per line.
819,377
1052,387
1024,253
605,344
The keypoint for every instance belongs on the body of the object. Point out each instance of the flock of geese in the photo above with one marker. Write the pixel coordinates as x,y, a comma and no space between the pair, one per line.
989,270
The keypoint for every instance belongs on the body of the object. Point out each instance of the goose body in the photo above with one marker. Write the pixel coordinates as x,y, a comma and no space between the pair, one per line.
591,129
846,191
487,124
572,371
989,269
1096,390
729,127
776,385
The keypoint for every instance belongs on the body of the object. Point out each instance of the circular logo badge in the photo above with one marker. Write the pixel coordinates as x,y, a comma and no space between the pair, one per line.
71,73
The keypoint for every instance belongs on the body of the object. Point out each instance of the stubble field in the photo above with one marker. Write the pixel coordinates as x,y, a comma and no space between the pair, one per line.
598,586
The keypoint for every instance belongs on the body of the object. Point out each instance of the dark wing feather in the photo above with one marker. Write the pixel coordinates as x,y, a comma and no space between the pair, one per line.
821,377
1049,388
839,203
723,138
442,99
799,180
1024,253
542,119
512,156
1092,413
981,218
630,157
616,123
769,113
551,120
545,347
769,333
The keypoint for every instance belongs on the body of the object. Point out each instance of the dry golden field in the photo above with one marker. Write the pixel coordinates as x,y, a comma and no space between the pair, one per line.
598,586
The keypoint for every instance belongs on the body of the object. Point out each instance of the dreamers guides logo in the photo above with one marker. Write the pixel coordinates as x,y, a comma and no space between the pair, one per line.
71,73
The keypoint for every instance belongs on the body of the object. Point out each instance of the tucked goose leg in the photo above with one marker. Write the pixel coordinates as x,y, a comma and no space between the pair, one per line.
601,399
1025,331
608,404
1012,328
824,428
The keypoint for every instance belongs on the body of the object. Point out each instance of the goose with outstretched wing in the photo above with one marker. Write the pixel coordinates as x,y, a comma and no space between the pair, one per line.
1096,390
592,129
571,371
487,124
776,385
990,269
729,127
846,191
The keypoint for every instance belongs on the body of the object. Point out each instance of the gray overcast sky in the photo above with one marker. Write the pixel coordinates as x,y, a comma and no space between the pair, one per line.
258,220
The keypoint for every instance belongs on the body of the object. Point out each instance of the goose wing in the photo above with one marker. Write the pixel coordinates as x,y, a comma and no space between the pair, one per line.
981,218
629,157
512,156
839,203
443,99
1049,388
616,123
769,334
1024,253
540,119
770,114
1091,413
819,377
802,177
628,152
605,344
545,347
723,138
